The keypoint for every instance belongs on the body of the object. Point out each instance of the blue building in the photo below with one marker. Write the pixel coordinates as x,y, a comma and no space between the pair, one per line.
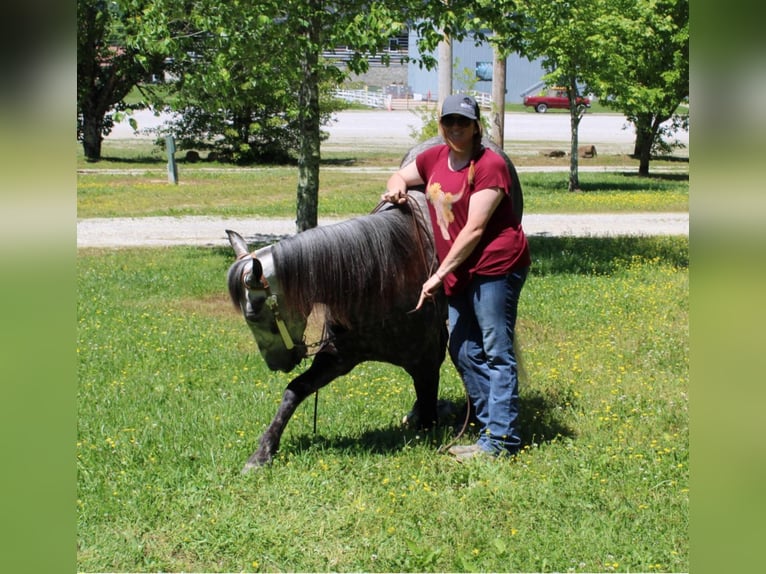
475,62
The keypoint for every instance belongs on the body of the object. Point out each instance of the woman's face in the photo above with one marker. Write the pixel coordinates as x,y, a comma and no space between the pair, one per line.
458,132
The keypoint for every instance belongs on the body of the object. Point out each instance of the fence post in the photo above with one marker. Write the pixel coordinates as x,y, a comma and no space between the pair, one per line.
170,144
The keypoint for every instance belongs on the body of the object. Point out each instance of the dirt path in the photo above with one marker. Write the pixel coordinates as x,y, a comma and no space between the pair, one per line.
203,230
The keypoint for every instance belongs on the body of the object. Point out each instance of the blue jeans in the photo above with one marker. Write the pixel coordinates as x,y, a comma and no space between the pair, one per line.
482,321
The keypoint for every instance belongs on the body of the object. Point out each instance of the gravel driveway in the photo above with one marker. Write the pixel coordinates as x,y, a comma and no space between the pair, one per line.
166,231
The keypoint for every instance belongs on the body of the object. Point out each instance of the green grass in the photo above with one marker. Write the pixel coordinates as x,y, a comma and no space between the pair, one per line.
132,181
605,192
173,397
271,192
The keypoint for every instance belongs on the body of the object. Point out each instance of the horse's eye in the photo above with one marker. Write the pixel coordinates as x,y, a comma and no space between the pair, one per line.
254,307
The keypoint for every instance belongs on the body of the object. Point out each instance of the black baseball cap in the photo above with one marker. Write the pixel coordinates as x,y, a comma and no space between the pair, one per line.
462,105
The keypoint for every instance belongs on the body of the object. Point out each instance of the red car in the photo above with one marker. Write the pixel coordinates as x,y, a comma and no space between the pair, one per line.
555,98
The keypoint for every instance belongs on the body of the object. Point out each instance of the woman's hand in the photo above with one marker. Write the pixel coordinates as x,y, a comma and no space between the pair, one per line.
394,196
399,182
429,290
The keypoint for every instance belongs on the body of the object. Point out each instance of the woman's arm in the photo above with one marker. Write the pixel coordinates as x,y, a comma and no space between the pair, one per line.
400,181
480,209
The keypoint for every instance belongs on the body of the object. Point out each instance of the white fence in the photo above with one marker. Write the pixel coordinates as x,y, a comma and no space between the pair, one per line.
363,97
380,100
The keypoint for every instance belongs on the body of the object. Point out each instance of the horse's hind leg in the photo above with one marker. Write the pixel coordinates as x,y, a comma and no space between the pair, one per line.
424,411
425,376
324,369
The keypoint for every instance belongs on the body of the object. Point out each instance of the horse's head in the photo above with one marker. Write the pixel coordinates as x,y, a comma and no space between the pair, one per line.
254,289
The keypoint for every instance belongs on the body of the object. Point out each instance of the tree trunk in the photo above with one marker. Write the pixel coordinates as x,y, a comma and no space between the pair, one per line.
644,157
309,151
575,114
498,99
644,139
445,70
92,124
574,176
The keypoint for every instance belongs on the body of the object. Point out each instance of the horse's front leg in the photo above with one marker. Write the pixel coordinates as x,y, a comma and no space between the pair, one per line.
424,413
324,368
269,441
425,376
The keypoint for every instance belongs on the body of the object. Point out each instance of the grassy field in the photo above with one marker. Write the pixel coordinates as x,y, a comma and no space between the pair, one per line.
173,397
270,192
131,181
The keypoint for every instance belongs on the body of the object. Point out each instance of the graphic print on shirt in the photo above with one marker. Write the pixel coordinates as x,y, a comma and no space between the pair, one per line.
442,203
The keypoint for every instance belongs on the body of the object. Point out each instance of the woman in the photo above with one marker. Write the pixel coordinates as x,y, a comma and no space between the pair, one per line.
483,263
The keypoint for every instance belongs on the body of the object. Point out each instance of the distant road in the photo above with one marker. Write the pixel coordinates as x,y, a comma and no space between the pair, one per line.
362,126
380,128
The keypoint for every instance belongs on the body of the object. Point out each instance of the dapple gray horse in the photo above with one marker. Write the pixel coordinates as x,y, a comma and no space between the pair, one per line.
365,275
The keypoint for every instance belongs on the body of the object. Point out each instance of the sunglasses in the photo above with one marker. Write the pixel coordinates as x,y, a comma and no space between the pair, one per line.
461,121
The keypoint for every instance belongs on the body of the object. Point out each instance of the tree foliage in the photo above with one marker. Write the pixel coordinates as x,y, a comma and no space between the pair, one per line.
498,22
633,54
250,74
107,68
560,34
643,69
234,78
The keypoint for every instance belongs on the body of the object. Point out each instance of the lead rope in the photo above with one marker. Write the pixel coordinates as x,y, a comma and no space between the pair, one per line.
316,404
471,174
445,447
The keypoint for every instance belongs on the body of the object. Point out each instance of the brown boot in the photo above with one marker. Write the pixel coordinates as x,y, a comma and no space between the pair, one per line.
461,448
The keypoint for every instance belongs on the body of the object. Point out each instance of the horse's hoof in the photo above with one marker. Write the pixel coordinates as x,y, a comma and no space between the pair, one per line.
254,464
410,420
413,421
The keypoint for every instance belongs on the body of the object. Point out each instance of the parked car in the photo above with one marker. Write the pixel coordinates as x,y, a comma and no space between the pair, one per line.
554,98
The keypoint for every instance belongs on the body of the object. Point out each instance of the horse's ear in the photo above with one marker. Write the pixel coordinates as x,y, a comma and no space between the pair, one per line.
238,243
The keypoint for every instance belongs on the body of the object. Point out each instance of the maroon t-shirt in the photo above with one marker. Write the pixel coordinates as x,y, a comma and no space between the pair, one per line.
503,245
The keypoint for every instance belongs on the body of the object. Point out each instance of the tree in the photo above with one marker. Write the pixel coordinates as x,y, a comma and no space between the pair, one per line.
644,66
633,53
561,34
260,64
107,69
365,28
233,87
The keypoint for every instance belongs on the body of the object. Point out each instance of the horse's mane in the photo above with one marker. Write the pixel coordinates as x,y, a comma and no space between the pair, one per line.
364,266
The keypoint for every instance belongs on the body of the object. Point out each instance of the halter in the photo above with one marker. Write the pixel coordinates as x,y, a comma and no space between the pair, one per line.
273,304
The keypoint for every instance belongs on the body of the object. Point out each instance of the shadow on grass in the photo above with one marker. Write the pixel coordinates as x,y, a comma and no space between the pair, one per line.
603,255
635,182
669,158
141,159
339,161
568,255
594,182
539,421
161,158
